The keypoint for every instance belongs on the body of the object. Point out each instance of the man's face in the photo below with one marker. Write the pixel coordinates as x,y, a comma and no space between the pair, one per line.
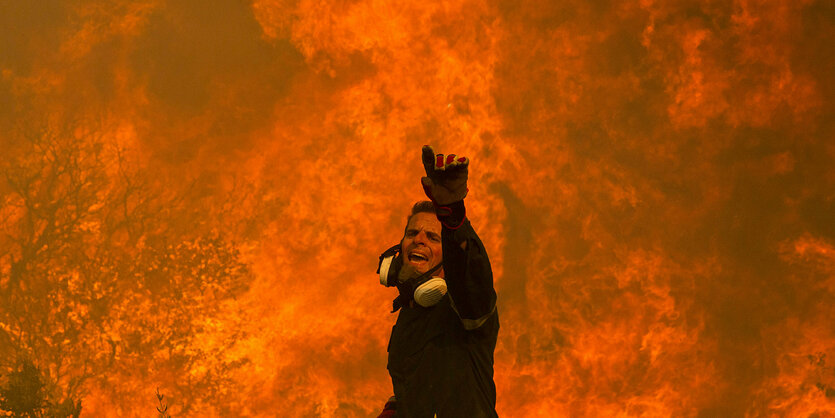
421,246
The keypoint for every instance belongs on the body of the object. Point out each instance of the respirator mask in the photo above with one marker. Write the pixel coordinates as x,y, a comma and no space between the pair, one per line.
426,290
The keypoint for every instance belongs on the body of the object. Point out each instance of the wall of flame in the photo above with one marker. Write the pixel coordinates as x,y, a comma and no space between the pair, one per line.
653,180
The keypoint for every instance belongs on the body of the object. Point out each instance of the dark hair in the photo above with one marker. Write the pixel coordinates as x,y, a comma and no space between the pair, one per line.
424,206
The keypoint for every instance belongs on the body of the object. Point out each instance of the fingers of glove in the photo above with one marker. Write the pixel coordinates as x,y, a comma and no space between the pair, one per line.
443,163
453,161
428,157
437,163
451,164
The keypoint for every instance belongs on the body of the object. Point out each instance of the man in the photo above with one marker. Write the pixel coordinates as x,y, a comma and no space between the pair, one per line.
441,347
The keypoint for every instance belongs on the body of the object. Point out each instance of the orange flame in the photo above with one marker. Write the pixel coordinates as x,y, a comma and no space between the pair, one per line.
651,179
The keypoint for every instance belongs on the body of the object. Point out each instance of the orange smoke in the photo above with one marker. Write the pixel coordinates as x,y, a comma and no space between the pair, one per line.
194,196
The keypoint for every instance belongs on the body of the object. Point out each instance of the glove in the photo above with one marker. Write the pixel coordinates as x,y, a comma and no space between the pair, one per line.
446,177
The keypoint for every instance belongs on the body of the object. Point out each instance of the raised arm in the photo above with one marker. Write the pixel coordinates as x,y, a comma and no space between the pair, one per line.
467,270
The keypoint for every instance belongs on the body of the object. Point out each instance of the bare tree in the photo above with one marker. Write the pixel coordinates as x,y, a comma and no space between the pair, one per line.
99,268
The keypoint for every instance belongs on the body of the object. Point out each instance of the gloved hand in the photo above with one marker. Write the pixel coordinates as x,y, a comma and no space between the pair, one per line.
446,177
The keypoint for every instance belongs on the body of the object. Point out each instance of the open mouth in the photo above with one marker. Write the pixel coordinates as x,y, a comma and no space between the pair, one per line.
417,258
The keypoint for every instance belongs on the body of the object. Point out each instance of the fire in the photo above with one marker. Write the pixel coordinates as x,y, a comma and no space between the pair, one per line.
194,195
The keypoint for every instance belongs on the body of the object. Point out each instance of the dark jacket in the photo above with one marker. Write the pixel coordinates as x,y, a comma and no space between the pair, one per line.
441,358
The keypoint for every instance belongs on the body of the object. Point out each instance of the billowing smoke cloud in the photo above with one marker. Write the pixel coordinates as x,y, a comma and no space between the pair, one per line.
652,181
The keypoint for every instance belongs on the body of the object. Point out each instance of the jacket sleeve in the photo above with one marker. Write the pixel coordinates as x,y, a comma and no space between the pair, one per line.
467,271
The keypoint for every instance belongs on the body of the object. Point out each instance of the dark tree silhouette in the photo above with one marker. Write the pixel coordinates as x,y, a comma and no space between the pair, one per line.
24,394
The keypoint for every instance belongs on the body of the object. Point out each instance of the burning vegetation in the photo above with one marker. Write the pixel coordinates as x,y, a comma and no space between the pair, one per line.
193,196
